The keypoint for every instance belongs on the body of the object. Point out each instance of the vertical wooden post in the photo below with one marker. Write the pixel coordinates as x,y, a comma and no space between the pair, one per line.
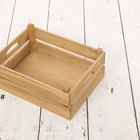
32,36
99,51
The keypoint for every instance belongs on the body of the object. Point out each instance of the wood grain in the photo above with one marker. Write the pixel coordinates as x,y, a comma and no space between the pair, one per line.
67,44
32,36
111,113
38,100
130,15
22,120
63,20
87,89
113,97
21,39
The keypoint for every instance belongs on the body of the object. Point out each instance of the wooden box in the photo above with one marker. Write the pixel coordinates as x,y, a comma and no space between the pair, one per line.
53,72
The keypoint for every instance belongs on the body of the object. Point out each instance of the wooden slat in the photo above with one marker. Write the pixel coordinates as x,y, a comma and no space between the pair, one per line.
66,44
20,39
40,88
64,56
86,77
87,90
31,97
18,56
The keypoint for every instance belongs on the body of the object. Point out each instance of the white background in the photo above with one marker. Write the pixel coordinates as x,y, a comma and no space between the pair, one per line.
112,112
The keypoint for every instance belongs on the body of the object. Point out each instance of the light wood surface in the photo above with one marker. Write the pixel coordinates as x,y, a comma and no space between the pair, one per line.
18,56
76,91
50,70
22,120
66,44
64,15
38,100
87,88
32,84
5,53
32,36
68,57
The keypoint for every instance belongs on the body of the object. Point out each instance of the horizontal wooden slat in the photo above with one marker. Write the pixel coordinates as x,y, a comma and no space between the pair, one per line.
20,40
31,97
36,86
64,56
67,44
32,38
18,56
86,77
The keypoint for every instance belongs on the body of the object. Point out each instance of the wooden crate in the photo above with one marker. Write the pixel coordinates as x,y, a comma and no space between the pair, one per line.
53,72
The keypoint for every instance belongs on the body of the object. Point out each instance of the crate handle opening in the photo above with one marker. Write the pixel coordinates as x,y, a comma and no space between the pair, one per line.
12,48
9,50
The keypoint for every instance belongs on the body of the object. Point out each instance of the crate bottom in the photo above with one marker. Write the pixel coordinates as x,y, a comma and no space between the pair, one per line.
46,65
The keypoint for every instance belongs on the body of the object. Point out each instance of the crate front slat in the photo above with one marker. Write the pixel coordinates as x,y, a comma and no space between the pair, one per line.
29,96
34,85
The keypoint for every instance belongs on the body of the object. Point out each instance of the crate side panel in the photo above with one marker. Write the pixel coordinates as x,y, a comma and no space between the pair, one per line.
88,89
29,96
87,76
37,87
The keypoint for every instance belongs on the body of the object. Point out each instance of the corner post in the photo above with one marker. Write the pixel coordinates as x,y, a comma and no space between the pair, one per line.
32,36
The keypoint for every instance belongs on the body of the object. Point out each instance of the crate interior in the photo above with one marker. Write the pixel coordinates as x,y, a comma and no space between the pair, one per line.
50,65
